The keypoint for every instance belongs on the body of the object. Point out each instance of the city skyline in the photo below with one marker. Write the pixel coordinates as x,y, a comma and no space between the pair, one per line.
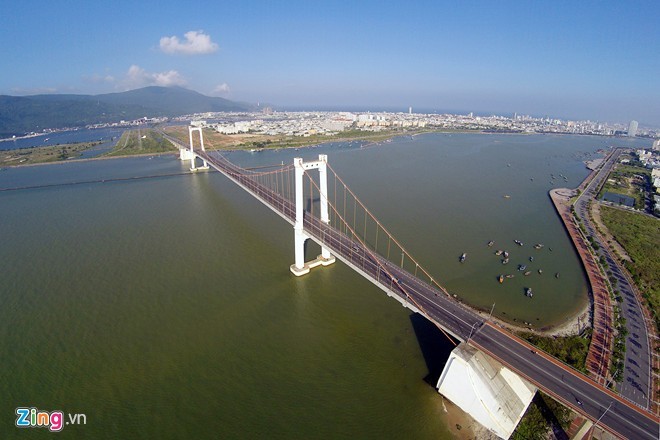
591,60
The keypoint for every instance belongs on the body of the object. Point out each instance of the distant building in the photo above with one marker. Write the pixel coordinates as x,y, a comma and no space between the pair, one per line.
619,199
632,129
656,145
410,110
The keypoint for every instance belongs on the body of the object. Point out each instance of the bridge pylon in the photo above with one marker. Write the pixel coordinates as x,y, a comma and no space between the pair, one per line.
300,267
185,154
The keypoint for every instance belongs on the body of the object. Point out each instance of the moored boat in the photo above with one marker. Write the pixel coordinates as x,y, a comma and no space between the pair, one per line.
462,258
499,252
490,243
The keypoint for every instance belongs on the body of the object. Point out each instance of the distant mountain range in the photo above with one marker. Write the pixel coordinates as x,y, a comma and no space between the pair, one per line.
24,114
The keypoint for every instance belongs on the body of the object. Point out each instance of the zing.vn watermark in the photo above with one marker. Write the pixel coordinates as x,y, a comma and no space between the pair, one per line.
54,420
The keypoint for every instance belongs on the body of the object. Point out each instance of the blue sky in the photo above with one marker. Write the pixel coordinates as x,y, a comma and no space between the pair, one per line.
575,59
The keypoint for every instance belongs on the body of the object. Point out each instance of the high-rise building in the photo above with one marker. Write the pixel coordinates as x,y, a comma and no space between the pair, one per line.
410,110
632,129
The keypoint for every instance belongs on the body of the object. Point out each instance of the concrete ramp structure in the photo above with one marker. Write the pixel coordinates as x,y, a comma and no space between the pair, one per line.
492,394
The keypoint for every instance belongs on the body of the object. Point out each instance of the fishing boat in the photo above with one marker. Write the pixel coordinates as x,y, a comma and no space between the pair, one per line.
521,267
506,254
528,273
462,258
506,196
557,275
501,279
510,275
531,258
505,261
538,246
518,242
490,243
499,252
528,292
540,271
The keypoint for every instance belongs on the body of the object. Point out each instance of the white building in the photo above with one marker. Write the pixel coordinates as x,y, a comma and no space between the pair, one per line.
632,129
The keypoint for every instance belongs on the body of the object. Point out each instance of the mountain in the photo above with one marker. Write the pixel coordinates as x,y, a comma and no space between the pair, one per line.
23,114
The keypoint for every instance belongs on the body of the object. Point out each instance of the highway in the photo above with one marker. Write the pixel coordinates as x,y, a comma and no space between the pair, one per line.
636,384
562,382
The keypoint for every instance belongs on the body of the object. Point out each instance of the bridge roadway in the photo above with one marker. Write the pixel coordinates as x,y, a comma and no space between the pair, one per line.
564,383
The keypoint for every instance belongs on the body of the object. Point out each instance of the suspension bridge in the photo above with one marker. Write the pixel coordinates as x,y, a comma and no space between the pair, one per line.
322,208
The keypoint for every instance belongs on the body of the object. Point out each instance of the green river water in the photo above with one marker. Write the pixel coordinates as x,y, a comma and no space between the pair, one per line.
164,307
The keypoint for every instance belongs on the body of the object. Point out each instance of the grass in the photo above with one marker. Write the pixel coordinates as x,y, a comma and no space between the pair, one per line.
626,180
640,237
569,349
53,153
141,141
543,413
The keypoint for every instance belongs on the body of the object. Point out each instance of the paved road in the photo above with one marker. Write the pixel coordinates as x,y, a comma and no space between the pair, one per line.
562,382
636,384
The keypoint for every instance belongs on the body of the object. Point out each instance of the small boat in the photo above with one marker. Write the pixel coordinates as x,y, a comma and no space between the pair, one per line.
499,252
521,267
528,273
518,242
505,261
510,275
462,258
538,246
531,258
506,196
540,271
557,275
490,243
528,292
506,254
501,279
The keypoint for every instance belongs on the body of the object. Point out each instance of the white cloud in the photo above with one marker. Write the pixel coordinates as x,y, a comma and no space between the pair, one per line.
196,43
221,90
138,77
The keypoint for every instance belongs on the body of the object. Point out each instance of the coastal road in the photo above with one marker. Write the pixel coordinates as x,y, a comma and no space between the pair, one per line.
560,381
637,381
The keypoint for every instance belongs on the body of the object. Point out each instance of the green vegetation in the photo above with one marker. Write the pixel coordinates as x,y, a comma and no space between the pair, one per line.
141,141
541,415
24,114
300,141
570,349
53,153
640,237
628,180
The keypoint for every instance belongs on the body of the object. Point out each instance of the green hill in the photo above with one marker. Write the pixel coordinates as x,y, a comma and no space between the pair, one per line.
24,114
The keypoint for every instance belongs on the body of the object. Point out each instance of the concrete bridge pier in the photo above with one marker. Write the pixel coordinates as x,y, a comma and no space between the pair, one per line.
493,395
300,267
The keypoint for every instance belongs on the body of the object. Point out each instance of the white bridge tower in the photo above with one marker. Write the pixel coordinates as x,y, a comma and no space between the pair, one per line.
186,154
300,267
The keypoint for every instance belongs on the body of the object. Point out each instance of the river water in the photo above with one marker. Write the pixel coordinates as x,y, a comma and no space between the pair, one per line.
164,307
